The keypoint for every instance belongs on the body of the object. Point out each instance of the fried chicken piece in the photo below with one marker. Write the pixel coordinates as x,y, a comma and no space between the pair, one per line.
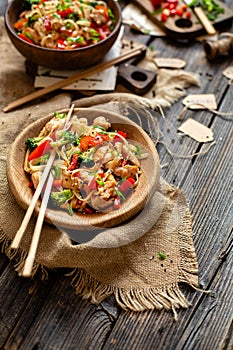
126,171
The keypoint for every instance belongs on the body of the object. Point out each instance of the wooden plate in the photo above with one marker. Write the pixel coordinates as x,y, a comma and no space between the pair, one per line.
149,180
181,28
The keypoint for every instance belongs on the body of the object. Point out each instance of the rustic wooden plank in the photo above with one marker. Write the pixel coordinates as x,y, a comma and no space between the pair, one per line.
211,324
39,292
14,296
56,318
3,262
214,213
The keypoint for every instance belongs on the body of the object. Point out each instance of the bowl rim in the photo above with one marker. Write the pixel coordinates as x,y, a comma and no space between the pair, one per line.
82,221
45,49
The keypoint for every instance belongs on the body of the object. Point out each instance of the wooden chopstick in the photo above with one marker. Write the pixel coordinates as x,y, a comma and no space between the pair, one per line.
16,241
36,234
75,77
39,223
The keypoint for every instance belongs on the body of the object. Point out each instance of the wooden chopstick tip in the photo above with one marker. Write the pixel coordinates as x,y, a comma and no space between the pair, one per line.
7,109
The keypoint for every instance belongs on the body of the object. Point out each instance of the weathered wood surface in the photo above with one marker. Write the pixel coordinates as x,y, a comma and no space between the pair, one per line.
48,315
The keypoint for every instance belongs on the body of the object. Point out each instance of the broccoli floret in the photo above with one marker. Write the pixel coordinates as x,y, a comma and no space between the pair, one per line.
63,137
43,159
59,115
56,172
61,197
32,142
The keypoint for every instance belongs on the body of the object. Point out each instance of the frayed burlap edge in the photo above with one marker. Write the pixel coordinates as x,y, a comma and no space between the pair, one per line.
168,298
88,288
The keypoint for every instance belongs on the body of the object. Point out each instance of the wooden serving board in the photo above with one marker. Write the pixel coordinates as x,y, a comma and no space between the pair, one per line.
181,27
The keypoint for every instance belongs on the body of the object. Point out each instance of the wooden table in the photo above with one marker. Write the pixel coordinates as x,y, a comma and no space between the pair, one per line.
48,315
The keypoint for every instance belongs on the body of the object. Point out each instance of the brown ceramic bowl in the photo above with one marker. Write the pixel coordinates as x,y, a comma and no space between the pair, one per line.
61,59
148,181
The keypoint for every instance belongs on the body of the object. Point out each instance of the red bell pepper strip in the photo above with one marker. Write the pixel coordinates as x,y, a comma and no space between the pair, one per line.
61,44
89,210
118,138
104,10
86,142
47,23
25,38
103,137
127,186
74,161
40,150
91,141
93,185
20,23
103,31
96,181
64,13
76,174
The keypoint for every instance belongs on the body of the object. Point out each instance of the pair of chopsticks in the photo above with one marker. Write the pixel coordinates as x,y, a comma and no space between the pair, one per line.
39,223
75,77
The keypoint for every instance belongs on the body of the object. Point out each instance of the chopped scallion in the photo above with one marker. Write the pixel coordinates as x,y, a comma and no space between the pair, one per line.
162,255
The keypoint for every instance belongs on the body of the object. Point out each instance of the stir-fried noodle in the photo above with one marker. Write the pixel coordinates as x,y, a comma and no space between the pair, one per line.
96,168
64,24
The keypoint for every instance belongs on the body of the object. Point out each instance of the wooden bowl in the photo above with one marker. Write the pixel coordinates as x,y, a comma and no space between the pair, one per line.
148,181
61,59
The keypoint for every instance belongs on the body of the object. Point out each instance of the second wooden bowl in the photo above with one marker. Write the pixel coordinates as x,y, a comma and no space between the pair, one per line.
61,59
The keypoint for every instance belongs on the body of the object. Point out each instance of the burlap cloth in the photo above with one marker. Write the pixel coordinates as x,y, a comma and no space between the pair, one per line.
124,260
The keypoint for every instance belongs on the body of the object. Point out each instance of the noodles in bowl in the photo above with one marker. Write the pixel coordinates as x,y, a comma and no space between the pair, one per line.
59,35
105,169
64,24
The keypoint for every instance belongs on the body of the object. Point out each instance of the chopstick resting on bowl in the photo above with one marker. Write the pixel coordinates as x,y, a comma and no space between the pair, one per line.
75,77
39,223
16,241
36,234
